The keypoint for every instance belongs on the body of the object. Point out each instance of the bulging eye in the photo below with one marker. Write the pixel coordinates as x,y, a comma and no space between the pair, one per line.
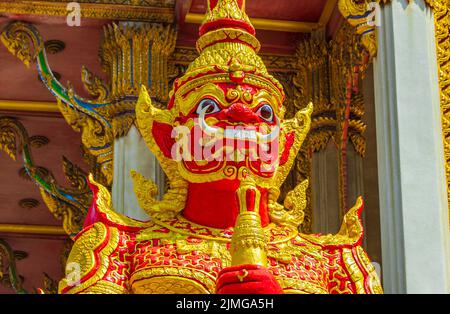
210,105
266,112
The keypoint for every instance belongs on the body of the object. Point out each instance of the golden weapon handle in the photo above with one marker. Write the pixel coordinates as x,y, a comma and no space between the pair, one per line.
248,244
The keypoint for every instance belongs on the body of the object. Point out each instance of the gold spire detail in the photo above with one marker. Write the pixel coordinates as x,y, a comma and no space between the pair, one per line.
226,9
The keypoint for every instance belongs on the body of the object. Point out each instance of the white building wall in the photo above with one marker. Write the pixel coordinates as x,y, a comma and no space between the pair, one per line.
413,190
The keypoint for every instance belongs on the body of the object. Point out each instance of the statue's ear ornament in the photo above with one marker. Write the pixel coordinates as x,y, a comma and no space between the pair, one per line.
292,213
174,199
147,113
146,191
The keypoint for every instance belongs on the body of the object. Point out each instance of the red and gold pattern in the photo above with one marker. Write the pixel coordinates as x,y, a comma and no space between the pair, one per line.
176,256
219,228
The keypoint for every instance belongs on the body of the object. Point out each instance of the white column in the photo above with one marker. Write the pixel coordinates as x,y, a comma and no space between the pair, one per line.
325,190
131,153
325,186
355,182
413,196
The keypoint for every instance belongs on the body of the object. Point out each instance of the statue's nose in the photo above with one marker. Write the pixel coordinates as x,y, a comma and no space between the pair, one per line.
240,113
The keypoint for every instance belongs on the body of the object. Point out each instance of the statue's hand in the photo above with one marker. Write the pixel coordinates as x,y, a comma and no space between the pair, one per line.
247,279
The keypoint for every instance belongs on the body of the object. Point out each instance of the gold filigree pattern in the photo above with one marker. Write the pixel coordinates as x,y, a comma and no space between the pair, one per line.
322,76
93,134
172,280
131,54
16,39
295,203
293,286
360,13
91,252
161,11
76,176
50,285
8,269
136,54
72,220
145,190
372,282
441,11
184,228
274,63
104,206
14,139
350,233
300,126
170,253
227,9
105,287
94,85
355,273
146,114
357,14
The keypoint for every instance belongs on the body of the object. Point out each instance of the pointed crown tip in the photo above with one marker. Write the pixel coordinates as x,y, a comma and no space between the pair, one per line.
226,14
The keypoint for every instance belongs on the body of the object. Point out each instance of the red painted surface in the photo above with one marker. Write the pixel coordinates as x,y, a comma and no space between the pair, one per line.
247,279
219,207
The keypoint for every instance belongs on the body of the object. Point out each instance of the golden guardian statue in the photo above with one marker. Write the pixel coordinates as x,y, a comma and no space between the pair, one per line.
226,149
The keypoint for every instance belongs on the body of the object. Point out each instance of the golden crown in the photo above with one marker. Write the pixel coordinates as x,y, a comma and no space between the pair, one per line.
228,52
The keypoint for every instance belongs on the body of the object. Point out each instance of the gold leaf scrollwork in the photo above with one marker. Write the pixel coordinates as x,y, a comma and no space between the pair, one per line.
145,190
8,143
94,85
93,134
170,206
72,214
112,113
157,11
228,9
72,219
84,253
17,40
50,285
356,14
295,204
8,269
441,9
75,175
351,230
174,200
67,205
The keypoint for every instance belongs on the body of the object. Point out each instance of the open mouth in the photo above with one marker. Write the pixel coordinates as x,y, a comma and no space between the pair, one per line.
208,149
234,133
